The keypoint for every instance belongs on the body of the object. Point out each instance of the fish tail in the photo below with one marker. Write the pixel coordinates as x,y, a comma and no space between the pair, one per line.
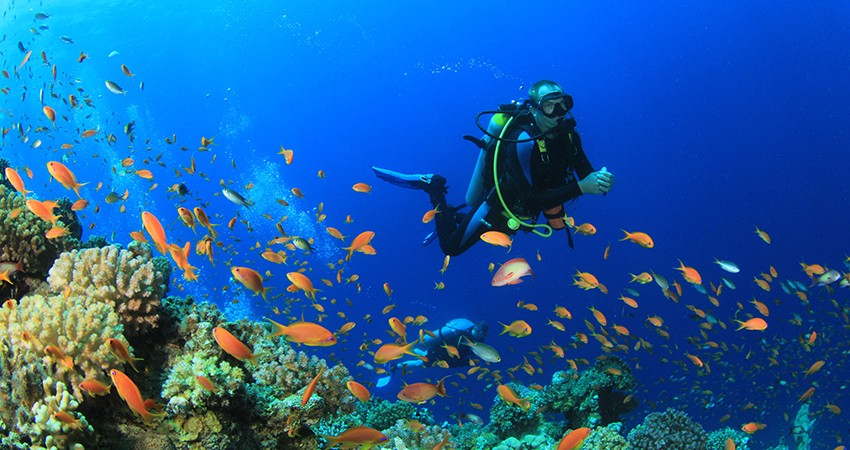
264,291
277,329
77,186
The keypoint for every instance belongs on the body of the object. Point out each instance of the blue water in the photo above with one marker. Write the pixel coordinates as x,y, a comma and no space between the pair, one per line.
714,118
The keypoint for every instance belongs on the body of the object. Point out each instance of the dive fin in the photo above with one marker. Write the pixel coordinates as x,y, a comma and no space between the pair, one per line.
409,181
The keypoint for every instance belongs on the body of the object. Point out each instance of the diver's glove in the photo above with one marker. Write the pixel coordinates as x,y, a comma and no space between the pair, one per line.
599,182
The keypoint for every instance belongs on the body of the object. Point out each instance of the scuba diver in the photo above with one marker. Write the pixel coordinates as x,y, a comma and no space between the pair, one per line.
433,347
530,156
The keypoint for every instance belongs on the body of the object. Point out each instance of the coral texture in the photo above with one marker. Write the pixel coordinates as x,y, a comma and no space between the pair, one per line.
668,430
22,236
126,280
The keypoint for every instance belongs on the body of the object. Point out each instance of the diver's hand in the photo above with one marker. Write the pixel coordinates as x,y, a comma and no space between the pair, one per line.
599,182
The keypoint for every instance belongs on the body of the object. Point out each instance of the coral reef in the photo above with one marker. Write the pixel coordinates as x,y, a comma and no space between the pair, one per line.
126,280
716,440
528,441
592,397
508,420
425,437
77,326
256,406
606,438
22,238
668,430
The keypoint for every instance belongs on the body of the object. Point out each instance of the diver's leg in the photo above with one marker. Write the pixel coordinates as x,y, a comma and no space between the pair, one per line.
459,232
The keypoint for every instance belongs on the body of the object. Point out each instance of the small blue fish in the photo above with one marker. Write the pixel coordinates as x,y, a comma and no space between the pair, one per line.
728,266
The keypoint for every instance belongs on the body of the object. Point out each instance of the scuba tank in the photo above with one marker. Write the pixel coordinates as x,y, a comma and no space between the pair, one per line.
485,181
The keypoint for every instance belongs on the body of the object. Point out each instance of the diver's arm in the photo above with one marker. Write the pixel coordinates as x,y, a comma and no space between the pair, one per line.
549,198
580,162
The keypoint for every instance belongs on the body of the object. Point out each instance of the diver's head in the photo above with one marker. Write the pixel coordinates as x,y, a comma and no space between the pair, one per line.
479,331
550,103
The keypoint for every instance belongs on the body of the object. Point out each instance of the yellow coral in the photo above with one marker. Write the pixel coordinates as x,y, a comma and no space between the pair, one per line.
22,237
125,279
78,326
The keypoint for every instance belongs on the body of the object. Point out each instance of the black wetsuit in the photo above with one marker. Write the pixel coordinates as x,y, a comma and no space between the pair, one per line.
551,181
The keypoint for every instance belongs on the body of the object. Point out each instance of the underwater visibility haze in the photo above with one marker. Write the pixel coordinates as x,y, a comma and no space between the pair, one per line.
196,253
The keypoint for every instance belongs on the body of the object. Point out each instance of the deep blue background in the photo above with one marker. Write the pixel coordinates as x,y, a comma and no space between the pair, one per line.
714,118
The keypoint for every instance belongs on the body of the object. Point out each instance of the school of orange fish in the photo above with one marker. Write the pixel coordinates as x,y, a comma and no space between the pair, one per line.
706,351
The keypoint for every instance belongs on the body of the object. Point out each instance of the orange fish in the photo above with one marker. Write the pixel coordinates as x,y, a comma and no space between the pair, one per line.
94,387
507,394
80,204
599,316
335,233
585,229
297,192
64,176
562,312
358,390
306,333
497,238
187,218
126,71
234,347
129,392
422,392
120,351
391,352
814,368
56,232
302,283
17,181
689,273
154,228
43,211
806,394
287,156
398,327
574,439
429,216
144,173
51,115
639,238
517,328
57,353
755,324
363,436
310,387
752,427
363,239
763,235
205,383
362,187
250,279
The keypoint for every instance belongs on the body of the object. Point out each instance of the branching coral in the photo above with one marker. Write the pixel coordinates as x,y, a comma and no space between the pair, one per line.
22,236
126,280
